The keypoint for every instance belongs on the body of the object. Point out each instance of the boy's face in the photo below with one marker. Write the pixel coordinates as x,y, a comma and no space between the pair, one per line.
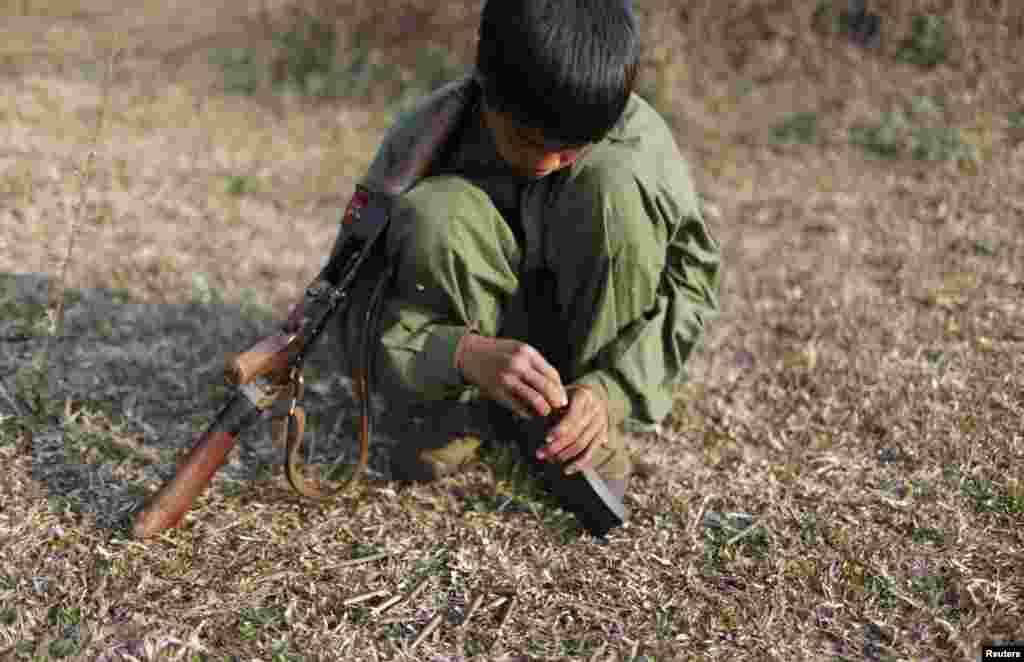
526,149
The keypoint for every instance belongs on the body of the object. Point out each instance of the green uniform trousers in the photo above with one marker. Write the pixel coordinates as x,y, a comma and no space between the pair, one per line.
457,264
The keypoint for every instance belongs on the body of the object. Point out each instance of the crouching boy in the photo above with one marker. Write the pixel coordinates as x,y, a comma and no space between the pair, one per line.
554,256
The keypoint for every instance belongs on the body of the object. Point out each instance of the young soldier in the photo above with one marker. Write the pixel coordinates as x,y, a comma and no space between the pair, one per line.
554,255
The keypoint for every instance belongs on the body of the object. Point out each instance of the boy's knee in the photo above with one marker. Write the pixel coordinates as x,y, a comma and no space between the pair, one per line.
438,216
616,222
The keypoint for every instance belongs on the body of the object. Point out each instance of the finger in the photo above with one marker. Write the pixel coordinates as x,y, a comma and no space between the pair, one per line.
550,390
582,442
529,397
581,410
541,365
586,459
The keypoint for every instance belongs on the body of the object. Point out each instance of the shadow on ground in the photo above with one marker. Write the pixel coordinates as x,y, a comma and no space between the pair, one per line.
152,373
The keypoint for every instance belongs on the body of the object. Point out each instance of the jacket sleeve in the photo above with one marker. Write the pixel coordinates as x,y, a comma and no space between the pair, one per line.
640,367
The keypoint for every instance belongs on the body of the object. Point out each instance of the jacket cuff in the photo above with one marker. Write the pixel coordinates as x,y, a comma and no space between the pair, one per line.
437,361
618,401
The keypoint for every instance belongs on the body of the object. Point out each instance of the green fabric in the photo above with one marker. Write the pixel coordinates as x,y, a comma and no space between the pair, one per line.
613,274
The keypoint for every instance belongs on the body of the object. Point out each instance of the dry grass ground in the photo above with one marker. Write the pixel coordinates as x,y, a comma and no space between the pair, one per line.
840,480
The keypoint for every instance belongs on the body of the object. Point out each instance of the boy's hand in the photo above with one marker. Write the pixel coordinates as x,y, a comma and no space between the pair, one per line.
511,373
582,430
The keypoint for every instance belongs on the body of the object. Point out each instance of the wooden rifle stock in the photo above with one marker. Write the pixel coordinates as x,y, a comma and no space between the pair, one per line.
175,498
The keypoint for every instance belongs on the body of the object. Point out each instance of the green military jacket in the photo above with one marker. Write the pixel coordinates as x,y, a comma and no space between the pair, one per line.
640,172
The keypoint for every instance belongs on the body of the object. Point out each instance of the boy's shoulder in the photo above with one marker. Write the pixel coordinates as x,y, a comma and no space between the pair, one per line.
640,152
641,139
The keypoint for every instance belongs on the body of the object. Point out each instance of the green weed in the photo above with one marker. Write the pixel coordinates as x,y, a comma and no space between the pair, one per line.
580,647
926,105
1016,119
809,529
926,46
63,648
797,128
24,649
941,144
203,293
927,534
243,73
931,587
882,139
31,383
882,587
8,615
239,185
663,623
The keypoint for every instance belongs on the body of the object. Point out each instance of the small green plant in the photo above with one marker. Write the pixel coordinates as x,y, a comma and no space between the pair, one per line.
663,623
243,72
926,46
239,185
63,616
797,128
1016,119
307,55
931,587
578,647
809,529
927,534
941,144
31,382
926,105
882,587
203,293
251,620
62,648
882,139
8,615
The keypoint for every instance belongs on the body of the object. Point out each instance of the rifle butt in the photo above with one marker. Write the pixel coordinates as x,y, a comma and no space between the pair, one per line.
168,506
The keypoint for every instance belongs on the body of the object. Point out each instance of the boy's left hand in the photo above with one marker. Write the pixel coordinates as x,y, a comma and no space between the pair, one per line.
582,430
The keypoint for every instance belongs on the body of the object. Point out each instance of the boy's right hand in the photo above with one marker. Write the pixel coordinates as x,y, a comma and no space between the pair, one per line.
511,373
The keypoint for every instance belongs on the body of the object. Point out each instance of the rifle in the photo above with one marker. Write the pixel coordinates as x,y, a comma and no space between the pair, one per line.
269,375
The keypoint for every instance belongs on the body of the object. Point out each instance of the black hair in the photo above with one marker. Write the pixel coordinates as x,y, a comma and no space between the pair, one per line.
564,67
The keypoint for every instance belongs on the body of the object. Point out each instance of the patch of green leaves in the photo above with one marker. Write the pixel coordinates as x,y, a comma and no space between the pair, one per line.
941,144
61,617
927,534
882,587
239,185
799,127
663,625
24,649
243,72
8,615
78,439
931,587
203,293
882,139
988,500
281,654
253,619
1016,119
926,46
251,307
932,144
578,647
62,648
809,529
307,62
8,583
